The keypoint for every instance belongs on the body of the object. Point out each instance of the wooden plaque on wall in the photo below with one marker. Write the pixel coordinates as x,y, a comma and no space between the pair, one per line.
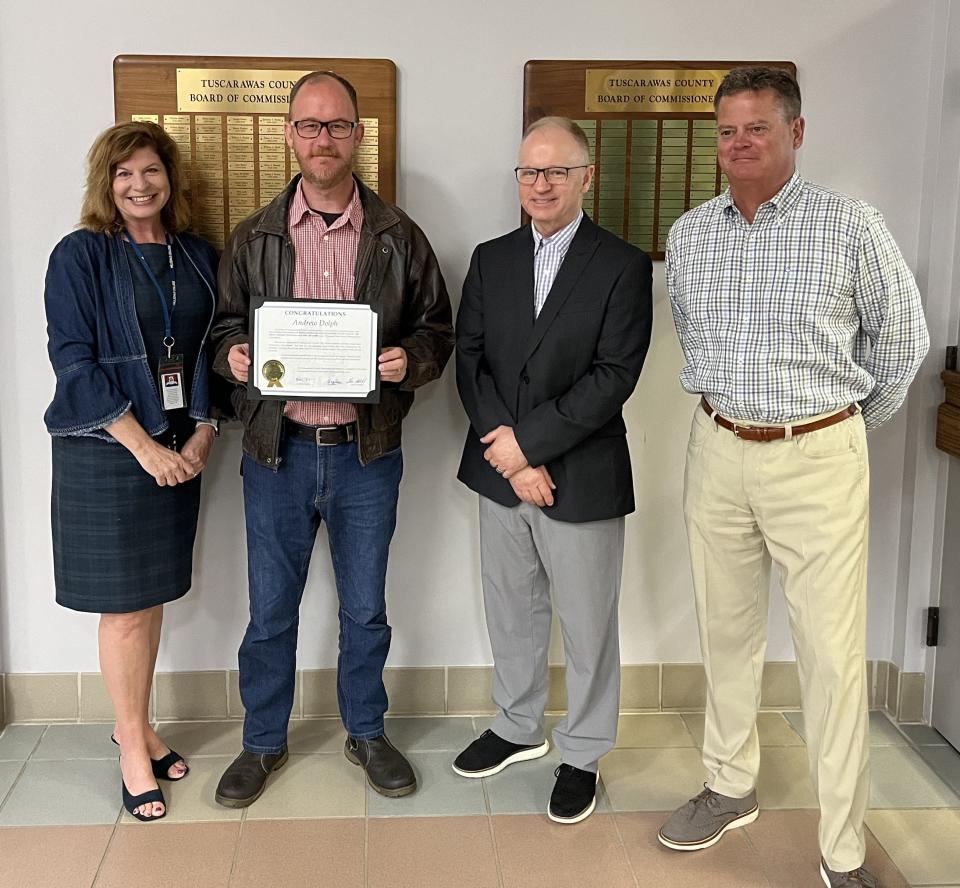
226,114
652,136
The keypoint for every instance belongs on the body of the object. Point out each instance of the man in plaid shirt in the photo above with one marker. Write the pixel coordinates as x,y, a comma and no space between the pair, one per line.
802,327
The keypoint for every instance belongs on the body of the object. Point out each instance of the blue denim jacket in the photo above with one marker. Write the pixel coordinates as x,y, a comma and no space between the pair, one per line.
94,340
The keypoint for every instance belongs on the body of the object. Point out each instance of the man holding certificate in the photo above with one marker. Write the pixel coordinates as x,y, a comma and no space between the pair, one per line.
332,310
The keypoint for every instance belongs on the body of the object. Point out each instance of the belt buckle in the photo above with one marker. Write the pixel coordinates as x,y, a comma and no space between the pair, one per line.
319,433
736,430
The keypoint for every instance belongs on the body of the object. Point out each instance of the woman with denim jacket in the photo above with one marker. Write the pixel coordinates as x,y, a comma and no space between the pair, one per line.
129,299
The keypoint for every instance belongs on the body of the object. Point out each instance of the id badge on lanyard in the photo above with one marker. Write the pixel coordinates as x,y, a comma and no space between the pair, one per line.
170,365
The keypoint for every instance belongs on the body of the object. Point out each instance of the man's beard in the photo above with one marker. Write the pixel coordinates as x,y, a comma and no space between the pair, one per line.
329,177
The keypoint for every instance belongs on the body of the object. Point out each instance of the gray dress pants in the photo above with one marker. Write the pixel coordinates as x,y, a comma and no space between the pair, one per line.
525,556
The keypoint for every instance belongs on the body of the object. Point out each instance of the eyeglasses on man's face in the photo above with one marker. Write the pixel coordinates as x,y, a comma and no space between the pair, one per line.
551,175
310,129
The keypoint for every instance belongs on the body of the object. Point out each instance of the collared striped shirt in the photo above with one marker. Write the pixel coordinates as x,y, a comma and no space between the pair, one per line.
548,256
324,261
807,310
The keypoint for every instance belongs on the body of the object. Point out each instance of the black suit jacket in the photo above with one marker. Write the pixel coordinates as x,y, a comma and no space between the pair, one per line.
559,380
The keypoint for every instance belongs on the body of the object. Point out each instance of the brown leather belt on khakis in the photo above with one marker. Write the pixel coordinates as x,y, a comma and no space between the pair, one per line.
776,433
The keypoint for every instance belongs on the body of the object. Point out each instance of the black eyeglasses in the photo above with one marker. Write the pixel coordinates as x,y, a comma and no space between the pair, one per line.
551,175
310,129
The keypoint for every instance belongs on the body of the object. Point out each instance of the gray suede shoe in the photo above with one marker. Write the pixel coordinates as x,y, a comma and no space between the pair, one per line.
703,820
858,878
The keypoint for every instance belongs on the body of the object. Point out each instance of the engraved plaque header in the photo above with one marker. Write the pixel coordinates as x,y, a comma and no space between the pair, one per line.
651,131
651,89
227,115
235,90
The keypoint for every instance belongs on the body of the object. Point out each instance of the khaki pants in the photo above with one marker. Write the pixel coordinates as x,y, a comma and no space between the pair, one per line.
804,503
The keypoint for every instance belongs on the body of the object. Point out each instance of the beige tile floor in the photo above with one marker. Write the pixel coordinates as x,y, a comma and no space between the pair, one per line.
319,825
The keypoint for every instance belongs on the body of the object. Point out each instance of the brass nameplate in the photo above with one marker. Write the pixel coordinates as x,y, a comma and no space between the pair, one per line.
227,117
652,136
660,90
244,90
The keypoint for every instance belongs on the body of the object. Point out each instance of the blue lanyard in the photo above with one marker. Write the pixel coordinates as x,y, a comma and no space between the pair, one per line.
168,339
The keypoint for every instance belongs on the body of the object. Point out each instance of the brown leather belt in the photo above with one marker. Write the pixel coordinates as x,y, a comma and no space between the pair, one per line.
322,436
776,433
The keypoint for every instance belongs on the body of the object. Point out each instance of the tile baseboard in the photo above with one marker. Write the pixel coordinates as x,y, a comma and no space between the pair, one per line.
426,690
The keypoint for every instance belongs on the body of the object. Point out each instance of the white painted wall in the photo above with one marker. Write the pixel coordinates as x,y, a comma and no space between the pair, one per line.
864,66
930,513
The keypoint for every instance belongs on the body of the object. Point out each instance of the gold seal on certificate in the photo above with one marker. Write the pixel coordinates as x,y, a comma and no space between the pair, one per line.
322,350
273,372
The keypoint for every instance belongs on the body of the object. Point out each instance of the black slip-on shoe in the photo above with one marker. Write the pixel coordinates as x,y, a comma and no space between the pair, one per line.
574,795
489,754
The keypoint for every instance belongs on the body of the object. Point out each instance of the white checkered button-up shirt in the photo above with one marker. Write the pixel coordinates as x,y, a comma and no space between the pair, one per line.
548,256
807,310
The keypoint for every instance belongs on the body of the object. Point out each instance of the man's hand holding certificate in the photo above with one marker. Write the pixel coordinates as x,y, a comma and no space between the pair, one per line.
319,350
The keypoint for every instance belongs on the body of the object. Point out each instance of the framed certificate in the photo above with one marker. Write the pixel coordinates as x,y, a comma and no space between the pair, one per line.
314,350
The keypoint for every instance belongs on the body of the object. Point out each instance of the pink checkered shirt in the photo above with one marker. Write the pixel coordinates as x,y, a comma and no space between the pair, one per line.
324,261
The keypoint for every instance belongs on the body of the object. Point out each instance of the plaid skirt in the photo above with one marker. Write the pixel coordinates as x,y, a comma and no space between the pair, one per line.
121,543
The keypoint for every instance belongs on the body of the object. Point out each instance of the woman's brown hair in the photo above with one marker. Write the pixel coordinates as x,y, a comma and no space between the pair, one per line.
112,147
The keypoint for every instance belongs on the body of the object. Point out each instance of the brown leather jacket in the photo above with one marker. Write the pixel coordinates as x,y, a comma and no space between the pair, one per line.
396,271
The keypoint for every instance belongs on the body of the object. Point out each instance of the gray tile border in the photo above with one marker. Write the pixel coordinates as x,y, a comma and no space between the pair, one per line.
202,738
651,779
640,687
893,689
780,686
915,841
784,779
900,778
945,761
9,771
884,732
878,699
319,693
923,735
468,689
523,788
311,787
17,742
191,695
64,794
439,793
316,735
70,742
192,799
41,696
683,687
416,690
95,702
557,696
664,730
447,734
910,697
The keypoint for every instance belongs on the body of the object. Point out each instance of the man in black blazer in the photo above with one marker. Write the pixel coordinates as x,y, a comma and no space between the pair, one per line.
552,332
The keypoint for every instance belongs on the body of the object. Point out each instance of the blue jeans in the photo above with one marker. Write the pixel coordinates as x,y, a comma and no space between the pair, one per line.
283,513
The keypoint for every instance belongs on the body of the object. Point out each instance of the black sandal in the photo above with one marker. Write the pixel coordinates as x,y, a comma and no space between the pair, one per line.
161,766
132,802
